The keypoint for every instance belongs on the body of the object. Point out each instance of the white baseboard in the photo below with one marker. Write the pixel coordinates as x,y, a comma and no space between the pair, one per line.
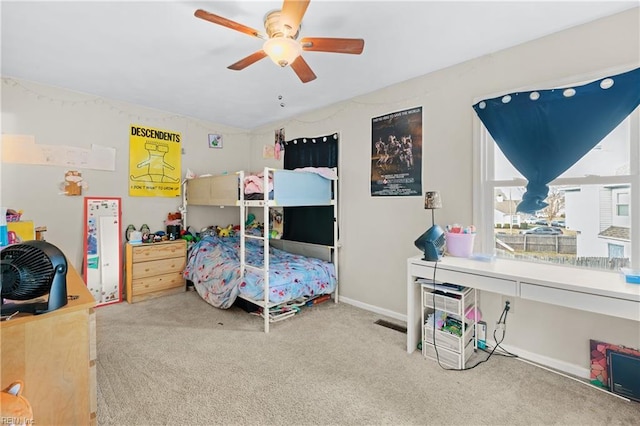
372,308
553,363
546,361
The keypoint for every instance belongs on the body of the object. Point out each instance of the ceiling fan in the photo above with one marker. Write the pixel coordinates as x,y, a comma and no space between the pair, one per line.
281,39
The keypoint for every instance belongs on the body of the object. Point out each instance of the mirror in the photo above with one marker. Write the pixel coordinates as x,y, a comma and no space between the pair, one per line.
102,249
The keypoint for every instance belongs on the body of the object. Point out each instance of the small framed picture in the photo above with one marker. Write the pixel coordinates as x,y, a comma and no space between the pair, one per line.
215,141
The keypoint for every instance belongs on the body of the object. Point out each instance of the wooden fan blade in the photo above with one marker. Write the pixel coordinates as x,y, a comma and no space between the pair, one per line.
292,13
249,60
336,45
203,14
303,70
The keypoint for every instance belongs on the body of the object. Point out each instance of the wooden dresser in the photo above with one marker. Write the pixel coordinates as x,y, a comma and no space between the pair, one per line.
155,269
54,354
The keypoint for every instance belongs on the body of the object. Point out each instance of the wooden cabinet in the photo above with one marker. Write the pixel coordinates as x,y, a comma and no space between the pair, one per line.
54,354
155,269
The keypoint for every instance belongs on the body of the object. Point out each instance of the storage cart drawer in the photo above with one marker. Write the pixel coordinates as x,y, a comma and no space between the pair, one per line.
448,303
448,340
447,358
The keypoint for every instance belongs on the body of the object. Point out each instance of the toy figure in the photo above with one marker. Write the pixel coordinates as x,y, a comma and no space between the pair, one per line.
15,408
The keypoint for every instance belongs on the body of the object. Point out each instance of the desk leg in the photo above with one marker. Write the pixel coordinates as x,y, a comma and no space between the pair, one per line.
414,314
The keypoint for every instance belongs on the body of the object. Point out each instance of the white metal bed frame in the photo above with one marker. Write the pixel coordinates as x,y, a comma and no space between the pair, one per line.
230,192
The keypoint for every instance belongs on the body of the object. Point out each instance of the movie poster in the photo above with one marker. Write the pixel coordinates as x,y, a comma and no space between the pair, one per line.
396,154
154,162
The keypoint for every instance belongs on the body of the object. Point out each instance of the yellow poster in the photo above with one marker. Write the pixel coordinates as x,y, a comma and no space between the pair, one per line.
154,162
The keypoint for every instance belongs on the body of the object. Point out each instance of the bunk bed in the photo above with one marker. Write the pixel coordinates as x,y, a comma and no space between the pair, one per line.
247,265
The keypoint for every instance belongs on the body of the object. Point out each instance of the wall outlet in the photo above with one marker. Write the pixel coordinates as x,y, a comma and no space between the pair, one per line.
511,300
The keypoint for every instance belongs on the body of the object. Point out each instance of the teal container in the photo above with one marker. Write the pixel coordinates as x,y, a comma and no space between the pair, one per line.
4,233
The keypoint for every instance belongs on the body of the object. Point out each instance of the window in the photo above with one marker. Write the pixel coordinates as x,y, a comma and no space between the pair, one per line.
616,251
592,205
622,204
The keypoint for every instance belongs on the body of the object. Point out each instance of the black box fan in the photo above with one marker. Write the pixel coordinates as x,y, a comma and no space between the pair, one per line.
31,270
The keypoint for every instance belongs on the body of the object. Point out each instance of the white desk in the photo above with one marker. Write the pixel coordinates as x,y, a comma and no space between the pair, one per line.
589,290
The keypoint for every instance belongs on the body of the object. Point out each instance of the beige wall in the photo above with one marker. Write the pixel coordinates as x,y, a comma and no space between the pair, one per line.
377,233
61,117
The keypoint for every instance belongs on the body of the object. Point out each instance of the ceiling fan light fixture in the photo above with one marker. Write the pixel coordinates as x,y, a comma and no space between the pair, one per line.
282,50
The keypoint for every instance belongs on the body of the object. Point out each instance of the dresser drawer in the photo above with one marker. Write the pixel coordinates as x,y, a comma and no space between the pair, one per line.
158,267
155,251
157,283
155,269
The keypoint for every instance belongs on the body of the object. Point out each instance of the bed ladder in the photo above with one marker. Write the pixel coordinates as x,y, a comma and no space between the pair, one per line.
265,203
265,242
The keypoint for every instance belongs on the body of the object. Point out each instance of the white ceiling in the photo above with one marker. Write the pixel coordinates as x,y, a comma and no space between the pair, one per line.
157,54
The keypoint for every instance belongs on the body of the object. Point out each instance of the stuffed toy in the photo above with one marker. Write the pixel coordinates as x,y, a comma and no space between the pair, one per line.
225,232
14,407
209,231
173,219
438,317
174,216
251,221
274,235
73,183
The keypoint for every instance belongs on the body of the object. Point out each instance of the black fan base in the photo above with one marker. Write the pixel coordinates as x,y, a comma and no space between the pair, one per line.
34,308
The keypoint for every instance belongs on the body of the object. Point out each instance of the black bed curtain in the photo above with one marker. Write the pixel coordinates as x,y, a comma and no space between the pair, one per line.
310,224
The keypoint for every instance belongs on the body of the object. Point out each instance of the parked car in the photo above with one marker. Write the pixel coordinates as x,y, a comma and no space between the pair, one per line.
543,230
558,223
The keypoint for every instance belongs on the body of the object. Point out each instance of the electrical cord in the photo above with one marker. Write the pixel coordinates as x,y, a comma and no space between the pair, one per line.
502,322
494,348
502,352
433,297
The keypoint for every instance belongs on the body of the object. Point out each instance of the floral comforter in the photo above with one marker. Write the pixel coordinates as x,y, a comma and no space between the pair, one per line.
213,265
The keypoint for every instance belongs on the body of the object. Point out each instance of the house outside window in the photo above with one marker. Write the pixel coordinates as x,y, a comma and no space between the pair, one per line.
596,201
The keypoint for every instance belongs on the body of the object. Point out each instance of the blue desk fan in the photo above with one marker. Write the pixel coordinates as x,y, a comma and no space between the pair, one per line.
431,243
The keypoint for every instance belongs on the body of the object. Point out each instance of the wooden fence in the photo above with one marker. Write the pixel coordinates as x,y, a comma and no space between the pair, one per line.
559,249
562,244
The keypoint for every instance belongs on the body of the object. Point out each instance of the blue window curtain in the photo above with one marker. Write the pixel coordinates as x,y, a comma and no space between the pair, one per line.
545,132
311,224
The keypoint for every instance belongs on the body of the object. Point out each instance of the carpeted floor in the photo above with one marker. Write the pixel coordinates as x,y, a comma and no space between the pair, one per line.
177,360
